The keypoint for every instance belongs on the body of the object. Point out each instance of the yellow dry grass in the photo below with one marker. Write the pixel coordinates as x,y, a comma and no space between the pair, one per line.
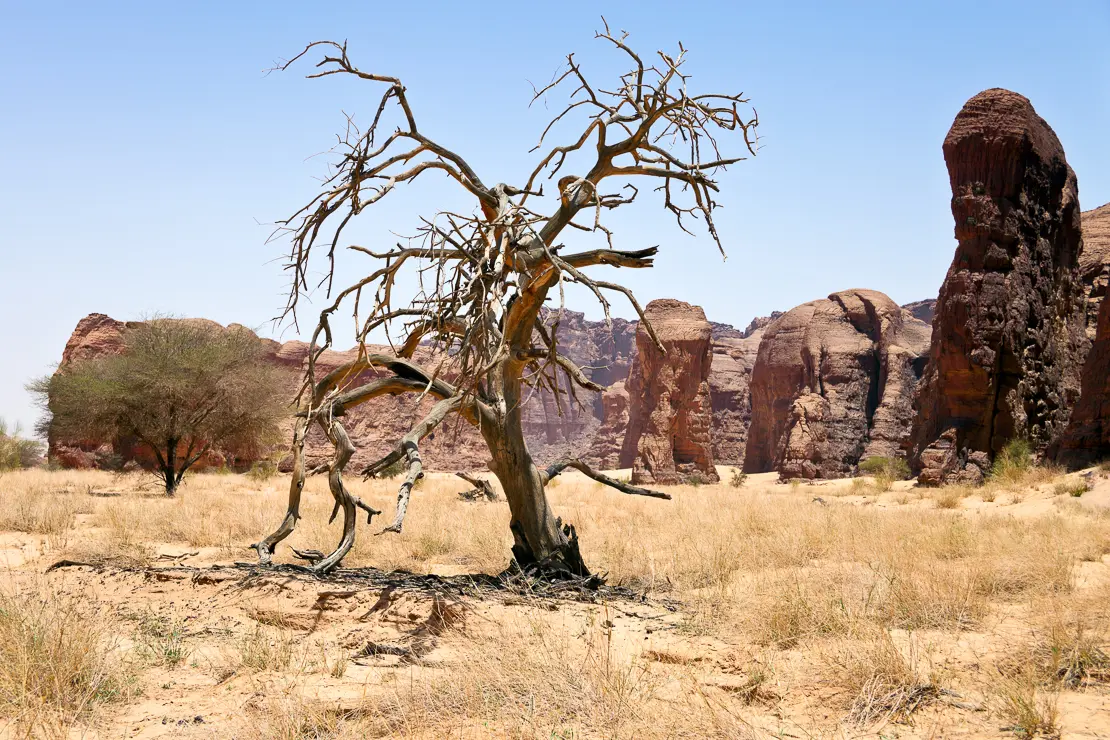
770,581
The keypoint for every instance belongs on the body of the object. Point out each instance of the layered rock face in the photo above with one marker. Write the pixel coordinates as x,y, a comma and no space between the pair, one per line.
1086,439
606,450
594,428
1009,333
734,354
670,409
564,427
832,384
1094,262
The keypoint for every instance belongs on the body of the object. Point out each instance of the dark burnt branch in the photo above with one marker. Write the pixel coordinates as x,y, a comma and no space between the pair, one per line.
567,462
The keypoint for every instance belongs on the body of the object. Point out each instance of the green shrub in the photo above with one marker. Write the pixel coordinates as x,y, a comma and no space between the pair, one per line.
1015,459
17,452
262,470
393,469
738,478
885,470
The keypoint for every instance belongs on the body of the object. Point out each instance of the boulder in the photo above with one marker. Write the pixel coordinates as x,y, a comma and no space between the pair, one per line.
1008,337
670,409
832,384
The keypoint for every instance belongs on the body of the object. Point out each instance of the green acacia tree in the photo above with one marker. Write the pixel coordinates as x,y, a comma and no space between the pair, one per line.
16,451
180,388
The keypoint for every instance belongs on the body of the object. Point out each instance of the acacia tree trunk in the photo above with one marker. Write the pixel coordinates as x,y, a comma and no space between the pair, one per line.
169,471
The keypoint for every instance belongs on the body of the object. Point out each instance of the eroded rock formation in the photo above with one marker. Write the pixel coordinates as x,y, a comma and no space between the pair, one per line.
1094,262
670,409
606,451
1086,440
832,384
563,427
734,354
1009,334
922,310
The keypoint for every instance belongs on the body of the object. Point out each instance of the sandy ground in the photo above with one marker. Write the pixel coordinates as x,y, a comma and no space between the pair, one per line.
283,654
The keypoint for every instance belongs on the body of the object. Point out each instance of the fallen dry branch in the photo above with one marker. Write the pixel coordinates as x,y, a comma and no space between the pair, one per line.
482,489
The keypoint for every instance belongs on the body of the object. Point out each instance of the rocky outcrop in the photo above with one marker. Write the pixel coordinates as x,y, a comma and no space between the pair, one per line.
1094,262
758,324
1009,334
832,384
1086,440
730,376
922,310
96,335
594,427
606,451
670,410
566,426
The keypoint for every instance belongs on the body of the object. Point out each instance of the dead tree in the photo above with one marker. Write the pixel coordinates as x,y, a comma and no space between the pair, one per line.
485,275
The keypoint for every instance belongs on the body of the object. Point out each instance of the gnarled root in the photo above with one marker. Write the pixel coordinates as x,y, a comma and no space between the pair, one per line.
564,563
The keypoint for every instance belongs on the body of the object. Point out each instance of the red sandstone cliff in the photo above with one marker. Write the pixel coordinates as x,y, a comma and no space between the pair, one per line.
670,413
832,384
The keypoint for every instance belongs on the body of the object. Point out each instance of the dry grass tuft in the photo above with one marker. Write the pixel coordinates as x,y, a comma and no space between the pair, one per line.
1074,487
264,649
162,639
882,683
1070,648
1030,712
58,662
949,497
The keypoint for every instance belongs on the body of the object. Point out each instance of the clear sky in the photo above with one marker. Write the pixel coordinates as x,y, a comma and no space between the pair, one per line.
143,151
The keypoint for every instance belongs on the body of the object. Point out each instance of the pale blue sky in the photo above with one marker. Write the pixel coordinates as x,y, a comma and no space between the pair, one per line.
143,150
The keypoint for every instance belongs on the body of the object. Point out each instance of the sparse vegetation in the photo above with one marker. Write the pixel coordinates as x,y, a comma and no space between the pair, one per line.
262,470
737,478
881,683
58,664
1030,711
1014,466
845,586
163,639
1074,487
17,451
885,471
179,389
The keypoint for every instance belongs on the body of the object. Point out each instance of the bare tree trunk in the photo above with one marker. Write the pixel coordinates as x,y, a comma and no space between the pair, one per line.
540,541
